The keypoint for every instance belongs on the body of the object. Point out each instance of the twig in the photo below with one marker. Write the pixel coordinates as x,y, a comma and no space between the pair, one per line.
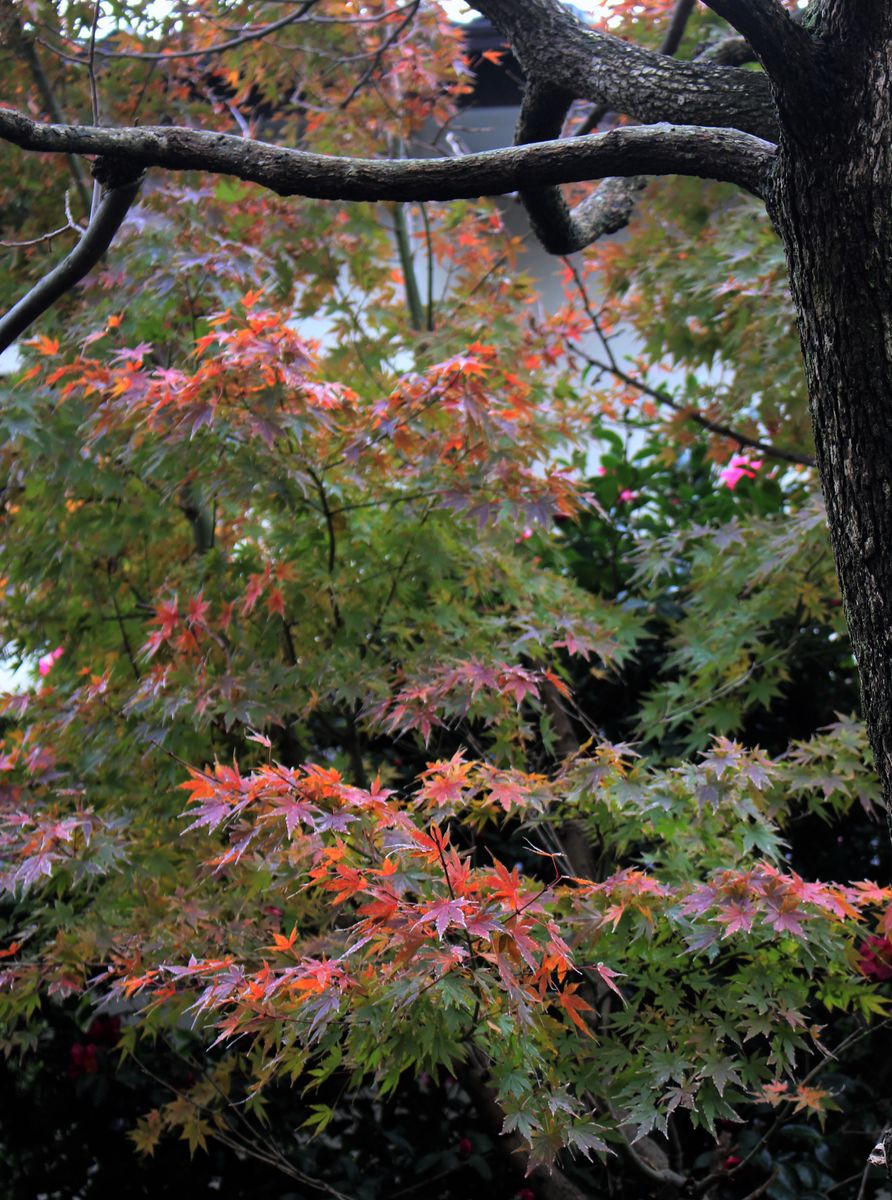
763,1187
612,367
44,237
382,50
249,35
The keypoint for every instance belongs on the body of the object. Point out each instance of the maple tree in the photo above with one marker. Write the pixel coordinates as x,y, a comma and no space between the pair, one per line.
419,690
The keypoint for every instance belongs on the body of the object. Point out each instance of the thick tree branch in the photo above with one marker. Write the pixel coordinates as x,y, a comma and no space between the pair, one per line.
610,208
674,34
783,45
560,229
729,52
86,254
556,49
722,154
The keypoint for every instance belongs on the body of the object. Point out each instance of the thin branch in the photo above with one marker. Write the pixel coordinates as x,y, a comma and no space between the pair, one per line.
697,418
410,281
379,55
91,64
86,254
94,97
122,628
612,367
703,1185
68,227
705,152
425,220
677,26
249,35
763,1187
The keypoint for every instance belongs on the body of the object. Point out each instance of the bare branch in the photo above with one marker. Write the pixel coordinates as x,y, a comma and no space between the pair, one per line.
707,153
96,240
68,227
255,34
783,45
375,64
677,26
698,418
555,49
662,396
560,229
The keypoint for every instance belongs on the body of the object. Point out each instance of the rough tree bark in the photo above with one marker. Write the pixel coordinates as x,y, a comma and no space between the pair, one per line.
829,198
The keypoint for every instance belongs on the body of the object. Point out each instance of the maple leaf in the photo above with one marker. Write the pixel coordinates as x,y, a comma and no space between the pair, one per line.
46,346
296,812
283,944
34,868
774,1093
736,916
445,913
587,1137
506,885
573,1005
810,1099
607,976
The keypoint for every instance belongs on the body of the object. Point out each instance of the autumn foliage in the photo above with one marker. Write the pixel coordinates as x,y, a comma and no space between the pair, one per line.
395,656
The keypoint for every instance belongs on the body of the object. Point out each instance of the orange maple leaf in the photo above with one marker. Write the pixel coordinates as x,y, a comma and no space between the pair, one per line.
573,1005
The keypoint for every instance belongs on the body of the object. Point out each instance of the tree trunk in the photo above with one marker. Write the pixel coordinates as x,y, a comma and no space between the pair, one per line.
831,202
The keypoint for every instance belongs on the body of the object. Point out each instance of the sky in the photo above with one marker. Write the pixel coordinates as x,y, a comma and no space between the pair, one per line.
460,11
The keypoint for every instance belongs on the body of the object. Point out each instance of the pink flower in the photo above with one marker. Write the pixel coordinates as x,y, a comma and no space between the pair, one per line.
46,664
739,468
627,495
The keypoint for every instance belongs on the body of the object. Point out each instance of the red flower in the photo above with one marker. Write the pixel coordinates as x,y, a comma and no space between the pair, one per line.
875,958
82,1060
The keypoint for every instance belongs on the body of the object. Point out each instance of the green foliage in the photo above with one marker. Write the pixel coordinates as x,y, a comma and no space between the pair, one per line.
512,732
